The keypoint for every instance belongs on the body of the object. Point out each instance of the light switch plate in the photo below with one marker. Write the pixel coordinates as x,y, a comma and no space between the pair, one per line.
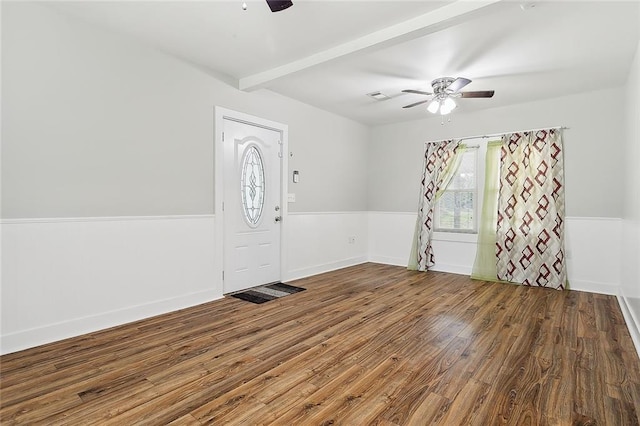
291,198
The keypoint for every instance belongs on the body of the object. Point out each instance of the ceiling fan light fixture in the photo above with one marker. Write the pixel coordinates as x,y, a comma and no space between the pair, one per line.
433,106
448,105
445,90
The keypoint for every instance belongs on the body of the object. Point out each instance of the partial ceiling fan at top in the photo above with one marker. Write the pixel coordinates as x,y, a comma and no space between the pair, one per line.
274,5
445,90
278,5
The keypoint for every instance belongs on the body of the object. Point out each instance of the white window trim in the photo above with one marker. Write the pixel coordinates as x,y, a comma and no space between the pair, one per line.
458,237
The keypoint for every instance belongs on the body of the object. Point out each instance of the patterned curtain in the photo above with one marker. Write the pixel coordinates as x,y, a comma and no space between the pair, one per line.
530,228
439,167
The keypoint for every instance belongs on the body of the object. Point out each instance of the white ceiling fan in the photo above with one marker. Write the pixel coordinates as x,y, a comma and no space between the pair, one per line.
445,90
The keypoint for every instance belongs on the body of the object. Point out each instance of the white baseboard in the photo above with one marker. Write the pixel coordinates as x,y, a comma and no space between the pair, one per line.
391,234
633,325
452,269
53,332
65,277
322,242
594,287
297,274
70,276
387,260
62,278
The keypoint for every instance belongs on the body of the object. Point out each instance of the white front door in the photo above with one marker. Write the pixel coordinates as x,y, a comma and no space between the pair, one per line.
252,204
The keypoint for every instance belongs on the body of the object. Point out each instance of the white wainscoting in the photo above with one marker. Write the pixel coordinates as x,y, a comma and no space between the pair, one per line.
630,278
630,307
593,249
319,242
66,277
391,236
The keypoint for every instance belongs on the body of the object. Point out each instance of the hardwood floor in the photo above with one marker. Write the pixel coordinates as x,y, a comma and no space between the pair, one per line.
370,344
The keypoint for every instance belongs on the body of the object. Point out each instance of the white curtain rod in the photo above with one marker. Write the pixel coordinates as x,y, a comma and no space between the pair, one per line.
500,134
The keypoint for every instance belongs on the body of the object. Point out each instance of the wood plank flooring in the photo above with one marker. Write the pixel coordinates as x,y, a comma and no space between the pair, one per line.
370,344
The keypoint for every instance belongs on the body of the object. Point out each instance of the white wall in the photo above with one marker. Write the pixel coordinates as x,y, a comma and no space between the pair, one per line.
108,178
391,236
397,150
324,241
65,277
630,289
96,124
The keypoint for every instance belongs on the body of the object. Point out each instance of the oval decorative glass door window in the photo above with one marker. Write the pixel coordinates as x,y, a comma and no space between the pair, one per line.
252,185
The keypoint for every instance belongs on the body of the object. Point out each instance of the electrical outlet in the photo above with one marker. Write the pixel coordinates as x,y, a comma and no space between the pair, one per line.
352,239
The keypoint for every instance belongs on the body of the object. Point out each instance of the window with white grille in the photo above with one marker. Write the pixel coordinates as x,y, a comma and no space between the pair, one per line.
456,210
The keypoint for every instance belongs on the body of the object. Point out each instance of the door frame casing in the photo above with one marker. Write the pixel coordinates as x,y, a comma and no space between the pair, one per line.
220,115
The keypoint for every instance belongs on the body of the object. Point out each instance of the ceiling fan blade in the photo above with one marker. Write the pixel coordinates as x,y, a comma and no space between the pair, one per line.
478,94
458,84
278,5
416,104
417,92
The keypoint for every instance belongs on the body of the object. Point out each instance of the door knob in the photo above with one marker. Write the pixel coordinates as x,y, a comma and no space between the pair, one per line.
278,218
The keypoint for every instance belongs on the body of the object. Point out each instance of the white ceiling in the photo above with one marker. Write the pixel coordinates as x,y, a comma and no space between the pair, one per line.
332,53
